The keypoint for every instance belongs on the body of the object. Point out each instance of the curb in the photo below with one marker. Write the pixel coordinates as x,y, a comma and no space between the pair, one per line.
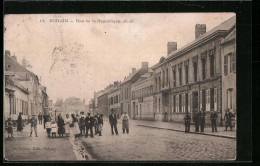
222,136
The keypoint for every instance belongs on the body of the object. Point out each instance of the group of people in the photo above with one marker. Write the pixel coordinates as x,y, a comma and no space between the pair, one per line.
9,125
199,121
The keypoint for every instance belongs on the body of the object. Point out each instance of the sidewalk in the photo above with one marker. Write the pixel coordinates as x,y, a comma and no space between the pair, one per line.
181,128
42,148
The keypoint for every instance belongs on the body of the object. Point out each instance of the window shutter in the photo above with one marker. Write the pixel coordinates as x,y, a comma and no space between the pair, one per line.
183,102
207,100
225,64
234,62
177,103
189,102
200,100
215,99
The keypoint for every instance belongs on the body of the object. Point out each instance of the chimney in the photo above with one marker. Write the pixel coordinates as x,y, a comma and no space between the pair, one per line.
116,83
200,29
171,46
145,65
133,70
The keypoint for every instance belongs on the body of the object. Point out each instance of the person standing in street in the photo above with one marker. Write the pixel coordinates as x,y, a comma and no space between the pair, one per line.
82,125
228,119
99,124
67,122
202,115
19,122
89,121
95,124
125,122
196,120
33,125
9,125
40,118
187,119
213,118
75,128
61,124
113,122
45,118
48,127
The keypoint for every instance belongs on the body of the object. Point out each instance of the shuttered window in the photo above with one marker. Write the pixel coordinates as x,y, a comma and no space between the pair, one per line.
215,99
225,64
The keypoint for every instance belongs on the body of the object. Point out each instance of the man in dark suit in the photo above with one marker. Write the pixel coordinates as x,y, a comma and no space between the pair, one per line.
113,122
213,118
196,120
187,119
89,122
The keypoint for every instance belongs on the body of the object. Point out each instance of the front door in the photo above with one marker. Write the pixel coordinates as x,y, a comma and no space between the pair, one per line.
195,102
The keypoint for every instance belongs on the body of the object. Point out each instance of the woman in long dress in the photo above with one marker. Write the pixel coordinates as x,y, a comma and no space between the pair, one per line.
125,122
19,122
61,125
67,122
75,128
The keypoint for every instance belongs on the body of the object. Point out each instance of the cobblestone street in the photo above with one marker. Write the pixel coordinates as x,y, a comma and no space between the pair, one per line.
156,144
142,143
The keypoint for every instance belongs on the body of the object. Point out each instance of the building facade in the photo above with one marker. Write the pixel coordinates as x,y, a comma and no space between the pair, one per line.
228,55
190,79
125,88
142,97
114,100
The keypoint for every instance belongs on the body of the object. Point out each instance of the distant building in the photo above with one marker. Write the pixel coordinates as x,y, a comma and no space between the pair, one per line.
114,99
125,88
142,97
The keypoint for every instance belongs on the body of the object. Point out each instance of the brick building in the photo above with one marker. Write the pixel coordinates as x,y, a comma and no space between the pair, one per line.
142,97
190,78
125,88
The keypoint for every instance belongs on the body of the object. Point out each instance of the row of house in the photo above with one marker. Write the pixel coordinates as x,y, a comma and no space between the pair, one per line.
199,76
71,105
23,91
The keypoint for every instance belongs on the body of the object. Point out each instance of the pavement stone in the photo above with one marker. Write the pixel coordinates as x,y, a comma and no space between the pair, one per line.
42,148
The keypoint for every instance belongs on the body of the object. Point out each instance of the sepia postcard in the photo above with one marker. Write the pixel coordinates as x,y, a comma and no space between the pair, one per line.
120,87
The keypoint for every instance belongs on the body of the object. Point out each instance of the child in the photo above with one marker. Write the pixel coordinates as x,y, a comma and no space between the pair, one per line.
9,127
48,127
53,129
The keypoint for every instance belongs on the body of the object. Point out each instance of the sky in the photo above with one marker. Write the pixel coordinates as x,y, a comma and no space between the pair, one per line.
82,54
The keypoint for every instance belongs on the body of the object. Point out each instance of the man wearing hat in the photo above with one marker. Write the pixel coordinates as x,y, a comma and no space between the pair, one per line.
228,119
89,121
33,125
113,122
187,119
82,125
213,118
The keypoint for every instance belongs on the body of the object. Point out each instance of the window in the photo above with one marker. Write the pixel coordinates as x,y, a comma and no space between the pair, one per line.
180,103
163,83
212,104
203,62
234,62
186,102
212,67
159,105
167,79
231,62
195,71
174,76
225,64
180,76
186,74
174,103
229,98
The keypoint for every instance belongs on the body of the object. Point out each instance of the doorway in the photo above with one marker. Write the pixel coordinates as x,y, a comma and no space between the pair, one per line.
195,102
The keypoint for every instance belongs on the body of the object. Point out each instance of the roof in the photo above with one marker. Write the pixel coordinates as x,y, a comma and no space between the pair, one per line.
231,36
16,67
135,75
223,27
